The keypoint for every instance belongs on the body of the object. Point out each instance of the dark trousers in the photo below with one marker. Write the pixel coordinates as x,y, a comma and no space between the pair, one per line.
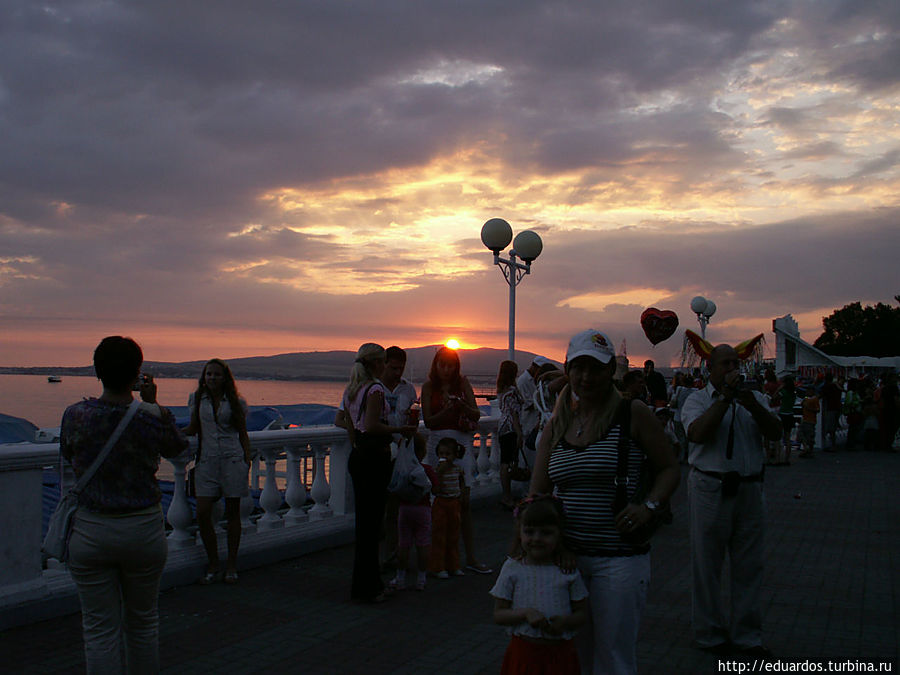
370,470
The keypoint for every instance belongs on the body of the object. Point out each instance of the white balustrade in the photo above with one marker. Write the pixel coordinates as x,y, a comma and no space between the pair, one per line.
495,453
21,570
270,499
321,492
247,525
179,514
295,493
484,460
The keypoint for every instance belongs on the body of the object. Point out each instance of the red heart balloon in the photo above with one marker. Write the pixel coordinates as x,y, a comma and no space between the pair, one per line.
658,324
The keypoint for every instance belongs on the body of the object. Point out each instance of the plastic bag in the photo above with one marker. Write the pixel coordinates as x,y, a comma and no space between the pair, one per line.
409,481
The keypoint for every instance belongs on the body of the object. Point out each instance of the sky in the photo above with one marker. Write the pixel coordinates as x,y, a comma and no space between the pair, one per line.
240,179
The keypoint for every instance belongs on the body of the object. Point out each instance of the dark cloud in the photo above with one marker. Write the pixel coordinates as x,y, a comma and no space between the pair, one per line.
143,144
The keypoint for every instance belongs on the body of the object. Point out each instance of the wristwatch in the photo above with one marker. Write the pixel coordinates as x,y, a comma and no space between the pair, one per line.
652,505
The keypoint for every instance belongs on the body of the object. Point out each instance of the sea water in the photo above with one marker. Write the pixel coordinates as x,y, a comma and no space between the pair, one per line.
42,403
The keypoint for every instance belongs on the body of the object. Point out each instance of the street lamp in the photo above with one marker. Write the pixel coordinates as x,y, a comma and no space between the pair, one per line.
496,235
704,309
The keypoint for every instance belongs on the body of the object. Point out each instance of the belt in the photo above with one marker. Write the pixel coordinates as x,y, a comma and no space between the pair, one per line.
754,478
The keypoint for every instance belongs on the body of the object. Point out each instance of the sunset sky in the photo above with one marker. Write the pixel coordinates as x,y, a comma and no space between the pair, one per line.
238,179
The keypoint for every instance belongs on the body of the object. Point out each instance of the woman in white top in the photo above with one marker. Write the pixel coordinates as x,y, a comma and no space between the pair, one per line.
219,416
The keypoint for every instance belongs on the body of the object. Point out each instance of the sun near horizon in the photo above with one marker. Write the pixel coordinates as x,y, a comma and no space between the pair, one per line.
452,343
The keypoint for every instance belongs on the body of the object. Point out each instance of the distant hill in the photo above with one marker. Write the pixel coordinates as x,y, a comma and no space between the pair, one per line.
480,365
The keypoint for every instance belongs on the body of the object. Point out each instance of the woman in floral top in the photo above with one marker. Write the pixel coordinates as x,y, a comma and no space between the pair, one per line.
118,548
509,431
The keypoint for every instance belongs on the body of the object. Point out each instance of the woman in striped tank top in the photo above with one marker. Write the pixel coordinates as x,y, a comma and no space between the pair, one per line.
578,459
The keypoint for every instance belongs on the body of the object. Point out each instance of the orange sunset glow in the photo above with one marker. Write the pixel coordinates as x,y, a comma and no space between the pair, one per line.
281,205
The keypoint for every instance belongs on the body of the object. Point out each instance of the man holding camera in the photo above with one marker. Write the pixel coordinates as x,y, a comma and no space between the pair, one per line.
725,425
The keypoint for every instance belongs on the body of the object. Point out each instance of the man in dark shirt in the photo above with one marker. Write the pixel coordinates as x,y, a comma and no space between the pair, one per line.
656,385
831,412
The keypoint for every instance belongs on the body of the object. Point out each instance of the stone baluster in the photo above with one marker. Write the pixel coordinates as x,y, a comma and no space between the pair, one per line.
472,459
341,495
321,491
254,472
495,455
295,494
179,513
270,499
248,525
484,460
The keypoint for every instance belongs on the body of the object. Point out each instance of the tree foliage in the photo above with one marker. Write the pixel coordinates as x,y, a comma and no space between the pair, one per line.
855,330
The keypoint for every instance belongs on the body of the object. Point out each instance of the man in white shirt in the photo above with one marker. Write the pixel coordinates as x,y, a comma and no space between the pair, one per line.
399,394
725,425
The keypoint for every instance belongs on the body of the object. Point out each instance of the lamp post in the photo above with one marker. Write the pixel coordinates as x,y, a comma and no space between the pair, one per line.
496,235
704,309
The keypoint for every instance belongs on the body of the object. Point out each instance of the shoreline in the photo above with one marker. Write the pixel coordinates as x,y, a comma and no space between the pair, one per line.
88,371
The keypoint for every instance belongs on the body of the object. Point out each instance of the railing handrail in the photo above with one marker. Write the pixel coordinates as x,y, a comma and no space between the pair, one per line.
15,456
329,498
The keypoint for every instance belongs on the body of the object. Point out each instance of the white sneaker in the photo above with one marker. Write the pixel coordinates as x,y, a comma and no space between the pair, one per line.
442,575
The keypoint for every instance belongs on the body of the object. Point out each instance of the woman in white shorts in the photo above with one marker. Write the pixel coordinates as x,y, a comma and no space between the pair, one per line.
219,416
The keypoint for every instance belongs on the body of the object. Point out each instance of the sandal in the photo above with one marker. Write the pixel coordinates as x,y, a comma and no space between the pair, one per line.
209,578
479,568
231,578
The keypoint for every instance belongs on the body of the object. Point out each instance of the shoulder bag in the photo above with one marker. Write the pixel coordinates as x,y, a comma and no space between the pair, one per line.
56,541
663,515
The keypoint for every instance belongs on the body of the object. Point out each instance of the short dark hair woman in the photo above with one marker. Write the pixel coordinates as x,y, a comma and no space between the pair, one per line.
118,548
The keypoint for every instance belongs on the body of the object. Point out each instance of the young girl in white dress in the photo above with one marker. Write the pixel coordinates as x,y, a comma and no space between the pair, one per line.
542,605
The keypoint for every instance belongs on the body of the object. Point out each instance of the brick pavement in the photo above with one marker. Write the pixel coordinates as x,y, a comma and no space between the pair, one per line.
831,590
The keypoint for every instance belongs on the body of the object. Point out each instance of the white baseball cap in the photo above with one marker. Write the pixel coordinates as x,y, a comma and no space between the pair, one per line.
591,343
541,361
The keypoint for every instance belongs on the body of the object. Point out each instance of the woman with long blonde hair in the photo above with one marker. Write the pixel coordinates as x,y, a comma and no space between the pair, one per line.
219,418
365,417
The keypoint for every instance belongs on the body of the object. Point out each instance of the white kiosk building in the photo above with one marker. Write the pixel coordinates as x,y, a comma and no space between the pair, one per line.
795,356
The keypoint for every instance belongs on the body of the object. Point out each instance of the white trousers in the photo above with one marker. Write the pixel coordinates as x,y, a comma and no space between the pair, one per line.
116,563
607,645
719,526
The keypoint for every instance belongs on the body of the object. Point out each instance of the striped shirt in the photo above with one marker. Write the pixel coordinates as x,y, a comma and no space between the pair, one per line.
584,478
449,486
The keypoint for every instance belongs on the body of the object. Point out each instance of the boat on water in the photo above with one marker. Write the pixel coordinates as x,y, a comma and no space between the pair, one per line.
54,378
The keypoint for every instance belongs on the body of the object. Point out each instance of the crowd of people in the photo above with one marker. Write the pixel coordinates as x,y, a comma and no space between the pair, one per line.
600,454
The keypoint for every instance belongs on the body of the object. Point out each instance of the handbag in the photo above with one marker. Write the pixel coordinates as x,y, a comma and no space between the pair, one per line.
661,516
520,473
59,528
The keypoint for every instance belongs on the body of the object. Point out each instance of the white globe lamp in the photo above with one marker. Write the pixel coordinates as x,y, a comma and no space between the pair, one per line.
528,245
496,234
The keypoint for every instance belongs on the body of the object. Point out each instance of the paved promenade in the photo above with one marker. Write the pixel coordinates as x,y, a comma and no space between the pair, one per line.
832,591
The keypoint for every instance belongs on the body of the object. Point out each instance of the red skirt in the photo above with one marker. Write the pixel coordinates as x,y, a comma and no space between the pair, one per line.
532,658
